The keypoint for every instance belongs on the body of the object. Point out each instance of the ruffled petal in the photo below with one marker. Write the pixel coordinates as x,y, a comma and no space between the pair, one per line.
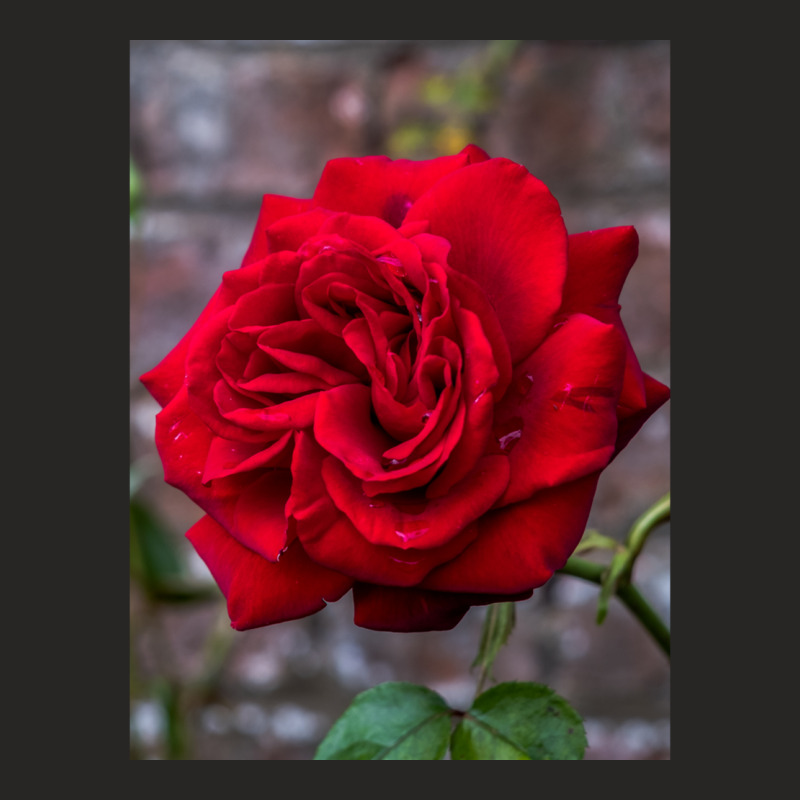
166,378
412,520
331,539
249,504
507,234
379,187
260,592
273,208
560,420
519,547
656,394
599,263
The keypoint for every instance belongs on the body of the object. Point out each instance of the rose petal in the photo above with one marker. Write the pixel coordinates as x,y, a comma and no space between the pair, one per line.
244,503
259,516
331,539
165,380
408,610
599,262
290,233
384,521
273,208
507,234
562,424
342,426
656,394
480,377
519,547
379,187
226,457
258,591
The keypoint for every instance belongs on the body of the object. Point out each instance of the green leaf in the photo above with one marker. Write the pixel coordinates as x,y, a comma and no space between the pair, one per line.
154,557
519,721
392,721
497,627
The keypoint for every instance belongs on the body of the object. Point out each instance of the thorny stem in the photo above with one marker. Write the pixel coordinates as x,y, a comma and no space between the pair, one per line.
641,609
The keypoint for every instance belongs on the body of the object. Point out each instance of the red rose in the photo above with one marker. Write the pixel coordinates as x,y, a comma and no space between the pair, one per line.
409,388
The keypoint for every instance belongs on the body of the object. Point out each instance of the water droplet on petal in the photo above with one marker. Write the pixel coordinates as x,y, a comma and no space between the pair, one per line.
509,433
412,530
405,561
393,463
376,504
524,383
425,418
508,441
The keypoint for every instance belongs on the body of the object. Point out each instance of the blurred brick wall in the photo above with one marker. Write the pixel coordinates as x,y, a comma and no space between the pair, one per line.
214,124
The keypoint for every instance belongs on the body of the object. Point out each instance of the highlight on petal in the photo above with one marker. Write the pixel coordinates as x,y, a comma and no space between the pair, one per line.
260,592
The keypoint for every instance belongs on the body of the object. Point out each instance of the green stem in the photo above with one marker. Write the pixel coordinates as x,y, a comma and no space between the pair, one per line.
641,609
640,530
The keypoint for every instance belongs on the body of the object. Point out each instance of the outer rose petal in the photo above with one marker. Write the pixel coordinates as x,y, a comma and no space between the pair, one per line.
379,187
382,608
165,379
260,592
519,547
562,424
507,234
250,506
656,394
599,262
273,208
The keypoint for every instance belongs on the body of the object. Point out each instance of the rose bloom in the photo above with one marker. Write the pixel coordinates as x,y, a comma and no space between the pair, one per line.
408,389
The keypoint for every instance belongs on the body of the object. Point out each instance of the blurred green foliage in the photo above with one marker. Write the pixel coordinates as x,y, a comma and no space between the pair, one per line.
453,107
136,191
